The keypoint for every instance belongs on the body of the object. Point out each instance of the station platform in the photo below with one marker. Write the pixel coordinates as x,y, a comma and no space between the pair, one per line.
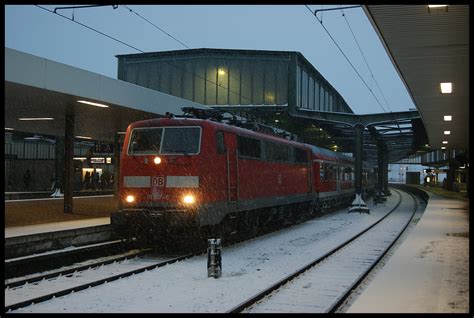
35,211
429,271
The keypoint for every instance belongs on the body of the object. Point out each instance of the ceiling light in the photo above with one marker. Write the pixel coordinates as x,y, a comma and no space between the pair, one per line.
221,72
443,148
447,132
437,8
448,117
6,128
91,103
445,142
83,137
35,118
446,88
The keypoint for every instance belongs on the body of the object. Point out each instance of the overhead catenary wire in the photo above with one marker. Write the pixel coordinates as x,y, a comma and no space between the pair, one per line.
350,63
180,42
142,17
365,60
130,46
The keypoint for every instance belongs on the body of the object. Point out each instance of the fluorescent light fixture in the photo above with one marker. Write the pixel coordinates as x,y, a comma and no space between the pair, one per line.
445,142
446,88
83,137
35,118
448,117
6,128
432,6
447,132
91,103
443,148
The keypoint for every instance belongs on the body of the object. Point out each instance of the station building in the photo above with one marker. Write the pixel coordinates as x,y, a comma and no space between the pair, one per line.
224,77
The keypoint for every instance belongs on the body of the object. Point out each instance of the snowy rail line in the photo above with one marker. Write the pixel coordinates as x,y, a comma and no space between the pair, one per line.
248,268
322,285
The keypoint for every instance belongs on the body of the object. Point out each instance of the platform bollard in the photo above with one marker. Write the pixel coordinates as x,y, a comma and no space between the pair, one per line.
214,260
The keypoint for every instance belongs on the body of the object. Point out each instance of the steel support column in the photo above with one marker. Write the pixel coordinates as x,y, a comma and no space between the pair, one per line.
68,159
117,169
358,205
385,173
359,130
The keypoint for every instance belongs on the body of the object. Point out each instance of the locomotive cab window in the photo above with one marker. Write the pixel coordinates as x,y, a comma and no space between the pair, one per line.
165,140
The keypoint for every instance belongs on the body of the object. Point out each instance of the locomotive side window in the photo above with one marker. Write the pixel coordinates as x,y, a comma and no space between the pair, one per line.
277,152
248,147
220,142
300,156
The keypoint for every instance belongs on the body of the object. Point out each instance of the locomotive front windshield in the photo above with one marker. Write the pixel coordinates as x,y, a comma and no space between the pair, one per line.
165,140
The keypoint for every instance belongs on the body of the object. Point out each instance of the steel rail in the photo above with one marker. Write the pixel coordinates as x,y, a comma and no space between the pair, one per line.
252,300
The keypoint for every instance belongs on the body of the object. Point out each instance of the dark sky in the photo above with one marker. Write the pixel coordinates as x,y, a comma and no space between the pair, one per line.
264,27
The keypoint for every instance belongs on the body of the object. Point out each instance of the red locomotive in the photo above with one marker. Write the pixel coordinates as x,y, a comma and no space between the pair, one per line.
178,175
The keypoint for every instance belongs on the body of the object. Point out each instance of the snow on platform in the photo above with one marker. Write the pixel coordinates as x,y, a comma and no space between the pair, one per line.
429,272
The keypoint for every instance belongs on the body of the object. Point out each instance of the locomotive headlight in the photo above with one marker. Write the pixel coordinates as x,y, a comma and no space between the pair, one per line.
189,199
130,198
157,160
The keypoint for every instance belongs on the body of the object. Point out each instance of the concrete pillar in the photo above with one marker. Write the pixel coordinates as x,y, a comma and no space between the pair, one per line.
68,159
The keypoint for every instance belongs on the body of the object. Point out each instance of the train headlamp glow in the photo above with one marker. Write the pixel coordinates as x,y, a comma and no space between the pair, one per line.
157,160
189,199
130,198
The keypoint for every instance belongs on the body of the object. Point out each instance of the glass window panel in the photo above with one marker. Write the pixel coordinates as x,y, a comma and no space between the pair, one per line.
271,68
165,77
321,98
298,87
222,83
326,101
311,93
257,82
316,95
177,78
234,83
282,83
211,86
188,80
304,90
199,82
246,83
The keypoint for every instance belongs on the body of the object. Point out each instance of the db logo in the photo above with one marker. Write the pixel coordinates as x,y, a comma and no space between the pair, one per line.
158,181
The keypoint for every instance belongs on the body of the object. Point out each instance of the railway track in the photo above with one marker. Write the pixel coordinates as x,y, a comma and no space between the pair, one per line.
17,296
78,279
27,265
324,284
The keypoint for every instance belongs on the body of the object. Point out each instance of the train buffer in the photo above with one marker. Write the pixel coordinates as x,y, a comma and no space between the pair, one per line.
358,205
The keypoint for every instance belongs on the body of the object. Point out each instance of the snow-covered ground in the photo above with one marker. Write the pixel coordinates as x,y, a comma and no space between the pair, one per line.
429,272
247,268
